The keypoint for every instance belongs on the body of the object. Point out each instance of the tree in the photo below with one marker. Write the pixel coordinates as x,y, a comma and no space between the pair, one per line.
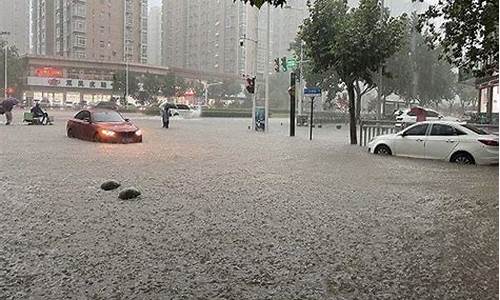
469,35
16,67
225,90
352,42
467,96
415,72
259,3
120,84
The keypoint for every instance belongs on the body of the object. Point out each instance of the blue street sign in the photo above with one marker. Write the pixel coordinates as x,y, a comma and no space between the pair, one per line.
312,92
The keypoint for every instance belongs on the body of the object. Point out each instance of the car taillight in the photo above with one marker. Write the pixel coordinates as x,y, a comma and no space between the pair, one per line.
489,142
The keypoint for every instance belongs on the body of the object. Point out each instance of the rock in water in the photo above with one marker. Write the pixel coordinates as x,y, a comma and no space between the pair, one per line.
129,193
110,185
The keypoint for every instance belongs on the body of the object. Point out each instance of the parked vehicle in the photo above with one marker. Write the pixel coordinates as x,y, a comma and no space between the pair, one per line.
68,104
451,141
107,105
184,111
103,125
407,116
173,108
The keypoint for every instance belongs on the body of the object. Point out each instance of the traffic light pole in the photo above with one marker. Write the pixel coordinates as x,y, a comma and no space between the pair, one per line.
292,103
266,70
301,97
5,70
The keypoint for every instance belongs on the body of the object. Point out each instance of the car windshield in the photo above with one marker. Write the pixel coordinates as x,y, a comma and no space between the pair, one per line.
182,106
475,129
107,116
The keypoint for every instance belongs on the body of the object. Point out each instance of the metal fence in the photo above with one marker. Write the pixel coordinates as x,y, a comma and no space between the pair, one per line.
368,129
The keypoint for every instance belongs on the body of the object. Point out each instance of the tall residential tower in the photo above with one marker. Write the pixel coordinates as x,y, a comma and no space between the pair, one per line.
108,30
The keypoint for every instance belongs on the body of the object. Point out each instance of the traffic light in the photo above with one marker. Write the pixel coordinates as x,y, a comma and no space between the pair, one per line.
283,64
277,64
251,85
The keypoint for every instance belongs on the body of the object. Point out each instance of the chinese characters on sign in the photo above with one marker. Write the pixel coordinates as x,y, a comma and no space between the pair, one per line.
70,83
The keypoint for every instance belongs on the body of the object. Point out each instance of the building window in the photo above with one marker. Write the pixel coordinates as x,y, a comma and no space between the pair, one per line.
80,41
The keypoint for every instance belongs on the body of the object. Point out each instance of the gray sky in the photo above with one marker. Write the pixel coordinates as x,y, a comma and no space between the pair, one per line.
154,3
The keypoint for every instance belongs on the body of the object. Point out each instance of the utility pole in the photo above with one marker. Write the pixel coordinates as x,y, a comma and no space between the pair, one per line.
379,93
292,91
301,78
125,52
251,61
6,50
266,69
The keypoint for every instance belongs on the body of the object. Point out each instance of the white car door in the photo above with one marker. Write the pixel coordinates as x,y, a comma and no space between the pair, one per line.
411,142
441,141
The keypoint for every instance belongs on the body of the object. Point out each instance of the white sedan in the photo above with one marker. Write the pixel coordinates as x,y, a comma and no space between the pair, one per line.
450,141
409,117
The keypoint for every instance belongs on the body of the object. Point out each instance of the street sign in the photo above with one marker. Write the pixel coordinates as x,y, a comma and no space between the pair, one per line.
312,92
291,63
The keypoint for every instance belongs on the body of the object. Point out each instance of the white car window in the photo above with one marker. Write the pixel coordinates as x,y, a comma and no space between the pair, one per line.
416,130
443,130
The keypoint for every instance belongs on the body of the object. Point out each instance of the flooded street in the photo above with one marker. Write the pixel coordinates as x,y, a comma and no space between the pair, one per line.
230,214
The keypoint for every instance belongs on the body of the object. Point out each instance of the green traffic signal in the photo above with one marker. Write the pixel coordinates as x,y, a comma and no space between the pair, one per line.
284,64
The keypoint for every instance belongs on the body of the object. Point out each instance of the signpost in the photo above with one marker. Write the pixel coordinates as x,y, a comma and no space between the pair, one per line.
291,63
312,93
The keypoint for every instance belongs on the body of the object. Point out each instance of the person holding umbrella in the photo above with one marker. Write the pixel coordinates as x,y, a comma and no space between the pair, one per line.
6,107
166,115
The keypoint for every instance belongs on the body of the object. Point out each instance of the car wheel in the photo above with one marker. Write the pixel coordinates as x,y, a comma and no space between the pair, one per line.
462,158
383,150
70,133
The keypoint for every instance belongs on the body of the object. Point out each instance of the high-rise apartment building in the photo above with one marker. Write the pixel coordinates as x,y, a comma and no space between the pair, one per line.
108,30
154,36
15,18
202,35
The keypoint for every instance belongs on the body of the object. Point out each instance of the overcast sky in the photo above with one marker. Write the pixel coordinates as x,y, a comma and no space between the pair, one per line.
158,2
154,3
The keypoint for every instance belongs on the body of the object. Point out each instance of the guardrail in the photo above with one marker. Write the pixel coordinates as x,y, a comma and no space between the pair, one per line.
369,129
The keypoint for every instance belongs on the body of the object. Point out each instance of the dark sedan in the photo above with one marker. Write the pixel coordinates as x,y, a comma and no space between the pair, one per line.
102,125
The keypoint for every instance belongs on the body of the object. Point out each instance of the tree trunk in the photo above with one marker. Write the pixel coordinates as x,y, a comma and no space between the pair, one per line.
358,101
352,113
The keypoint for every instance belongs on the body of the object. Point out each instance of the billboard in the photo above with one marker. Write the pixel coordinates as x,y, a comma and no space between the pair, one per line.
70,83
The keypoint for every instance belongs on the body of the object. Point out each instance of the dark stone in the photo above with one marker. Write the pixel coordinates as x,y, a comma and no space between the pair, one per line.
129,193
110,185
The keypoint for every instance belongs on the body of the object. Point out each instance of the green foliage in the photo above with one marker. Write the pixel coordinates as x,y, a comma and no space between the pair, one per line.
259,3
146,87
467,96
415,72
468,34
224,90
351,42
16,69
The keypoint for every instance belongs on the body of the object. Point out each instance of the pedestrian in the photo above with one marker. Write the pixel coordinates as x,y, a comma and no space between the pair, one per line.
38,112
166,115
6,107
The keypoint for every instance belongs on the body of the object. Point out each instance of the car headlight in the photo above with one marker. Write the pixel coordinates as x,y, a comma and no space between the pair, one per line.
107,132
138,132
